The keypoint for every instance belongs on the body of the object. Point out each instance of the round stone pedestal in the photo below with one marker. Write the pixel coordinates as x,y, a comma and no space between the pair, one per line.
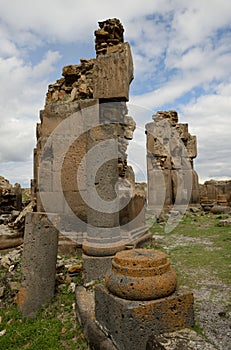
221,199
141,274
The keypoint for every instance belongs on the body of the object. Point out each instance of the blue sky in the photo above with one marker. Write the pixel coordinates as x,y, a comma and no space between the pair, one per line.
182,60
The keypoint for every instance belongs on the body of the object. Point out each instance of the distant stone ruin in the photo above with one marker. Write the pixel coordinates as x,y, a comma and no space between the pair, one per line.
171,150
214,192
10,196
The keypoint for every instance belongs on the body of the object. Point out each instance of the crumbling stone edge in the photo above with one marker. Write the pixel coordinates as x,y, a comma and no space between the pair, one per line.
85,311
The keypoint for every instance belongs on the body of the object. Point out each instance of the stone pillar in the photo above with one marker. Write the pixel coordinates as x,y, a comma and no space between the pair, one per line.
170,153
18,196
103,236
38,263
140,299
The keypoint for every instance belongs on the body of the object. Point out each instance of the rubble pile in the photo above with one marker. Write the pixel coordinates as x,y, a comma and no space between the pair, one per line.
10,197
110,33
13,211
67,271
77,83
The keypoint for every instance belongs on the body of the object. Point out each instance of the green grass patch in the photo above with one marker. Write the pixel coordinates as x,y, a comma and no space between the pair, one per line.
54,328
197,246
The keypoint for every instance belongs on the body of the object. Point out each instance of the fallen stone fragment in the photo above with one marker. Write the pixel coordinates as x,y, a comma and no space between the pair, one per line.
220,209
225,222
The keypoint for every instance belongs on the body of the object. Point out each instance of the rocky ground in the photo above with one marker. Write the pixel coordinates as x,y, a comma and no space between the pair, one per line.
212,294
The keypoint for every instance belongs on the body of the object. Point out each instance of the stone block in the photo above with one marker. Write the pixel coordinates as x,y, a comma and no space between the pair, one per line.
75,204
113,74
182,129
95,267
51,202
72,171
192,146
133,214
159,188
195,195
48,125
131,323
38,263
45,176
85,310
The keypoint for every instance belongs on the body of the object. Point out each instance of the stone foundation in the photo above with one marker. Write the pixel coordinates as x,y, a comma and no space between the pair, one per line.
130,323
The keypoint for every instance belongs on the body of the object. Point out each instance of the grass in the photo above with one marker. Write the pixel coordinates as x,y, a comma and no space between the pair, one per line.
54,328
197,246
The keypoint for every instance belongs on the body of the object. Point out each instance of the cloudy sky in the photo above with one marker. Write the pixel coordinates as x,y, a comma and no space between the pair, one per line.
182,59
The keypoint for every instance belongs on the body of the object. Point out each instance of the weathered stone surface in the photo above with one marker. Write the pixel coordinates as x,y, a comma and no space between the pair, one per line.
38,263
216,192
76,84
85,310
10,196
220,209
113,74
109,34
141,274
131,323
83,110
96,267
19,222
184,339
225,222
170,153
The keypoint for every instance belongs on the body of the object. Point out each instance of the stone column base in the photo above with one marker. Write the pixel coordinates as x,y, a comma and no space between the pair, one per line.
131,323
96,267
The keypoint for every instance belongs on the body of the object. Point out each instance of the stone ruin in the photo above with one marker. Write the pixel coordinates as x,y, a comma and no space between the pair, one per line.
10,197
141,299
171,150
81,156
215,193
99,86
80,168
11,227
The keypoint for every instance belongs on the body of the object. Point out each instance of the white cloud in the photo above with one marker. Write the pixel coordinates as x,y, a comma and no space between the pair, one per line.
209,119
177,46
22,93
20,172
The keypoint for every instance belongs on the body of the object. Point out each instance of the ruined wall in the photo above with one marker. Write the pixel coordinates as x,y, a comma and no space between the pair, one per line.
215,192
101,83
170,153
10,196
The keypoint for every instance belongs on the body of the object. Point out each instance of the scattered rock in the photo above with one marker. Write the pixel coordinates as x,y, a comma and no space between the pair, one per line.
19,223
220,209
225,222
2,290
75,269
153,344
10,196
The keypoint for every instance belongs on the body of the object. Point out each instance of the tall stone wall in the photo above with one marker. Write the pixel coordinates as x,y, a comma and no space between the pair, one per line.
83,108
171,150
